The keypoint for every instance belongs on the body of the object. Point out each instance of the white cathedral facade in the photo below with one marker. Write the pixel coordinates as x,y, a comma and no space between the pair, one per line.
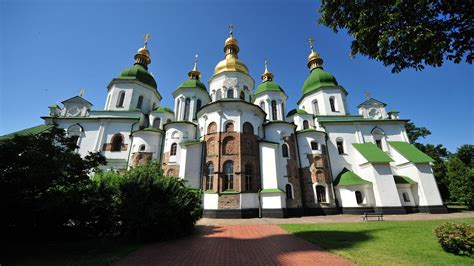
247,153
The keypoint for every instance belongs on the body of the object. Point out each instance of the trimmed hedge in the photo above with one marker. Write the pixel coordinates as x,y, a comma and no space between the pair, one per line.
457,238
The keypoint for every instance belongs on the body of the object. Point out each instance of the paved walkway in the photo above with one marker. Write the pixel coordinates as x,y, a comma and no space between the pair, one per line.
254,242
235,245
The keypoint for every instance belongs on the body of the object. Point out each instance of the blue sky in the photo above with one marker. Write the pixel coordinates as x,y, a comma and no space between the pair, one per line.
52,49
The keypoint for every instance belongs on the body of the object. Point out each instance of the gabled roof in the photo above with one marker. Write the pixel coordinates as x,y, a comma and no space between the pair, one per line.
372,102
348,178
77,99
399,179
410,152
372,153
28,131
297,111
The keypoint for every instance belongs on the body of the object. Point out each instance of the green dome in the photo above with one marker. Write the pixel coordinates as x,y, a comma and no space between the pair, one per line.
317,79
192,83
140,73
268,86
162,109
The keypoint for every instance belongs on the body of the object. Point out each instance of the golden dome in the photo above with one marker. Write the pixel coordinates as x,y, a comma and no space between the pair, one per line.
231,41
314,60
144,51
231,63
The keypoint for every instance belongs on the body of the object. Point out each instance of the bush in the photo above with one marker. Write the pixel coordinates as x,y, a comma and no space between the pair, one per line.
457,238
155,207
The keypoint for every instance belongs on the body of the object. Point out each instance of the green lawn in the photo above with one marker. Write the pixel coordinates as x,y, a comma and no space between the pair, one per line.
382,243
91,252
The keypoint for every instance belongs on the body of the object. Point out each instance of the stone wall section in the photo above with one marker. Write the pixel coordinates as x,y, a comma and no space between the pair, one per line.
293,174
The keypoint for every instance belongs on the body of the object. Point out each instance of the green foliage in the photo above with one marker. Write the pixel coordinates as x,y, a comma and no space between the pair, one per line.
154,206
466,154
457,238
42,181
405,34
414,132
461,181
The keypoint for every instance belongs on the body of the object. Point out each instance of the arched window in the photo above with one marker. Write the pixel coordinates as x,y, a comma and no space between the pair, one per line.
74,132
262,105
248,128
316,107
117,141
248,177
142,148
321,193
289,191
406,198
120,99
340,145
228,175
210,176
198,105
173,149
168,120
230,93
178,103
378,134
274,110
359,197
305,124
211,146
228,145
332,103
284,150
153,106
156,122
140,102
211,128
218,95
187,104
242,95
314,145
229,127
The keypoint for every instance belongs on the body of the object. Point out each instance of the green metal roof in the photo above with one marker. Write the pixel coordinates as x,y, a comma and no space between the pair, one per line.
410,152
318,78
348,178
399,179
193,83
372,153
140,73
271,190
54,106
297,111
28,132
162,109
268,86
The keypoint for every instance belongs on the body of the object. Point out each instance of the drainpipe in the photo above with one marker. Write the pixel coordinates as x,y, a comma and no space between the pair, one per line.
259,204
163,135
330,170
131,145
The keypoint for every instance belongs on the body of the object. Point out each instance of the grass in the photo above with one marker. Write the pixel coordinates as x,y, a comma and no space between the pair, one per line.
382,243
90,252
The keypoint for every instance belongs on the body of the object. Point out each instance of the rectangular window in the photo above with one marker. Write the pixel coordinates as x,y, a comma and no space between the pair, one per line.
248,182
378,142
314,146
209,184
340,147
406,198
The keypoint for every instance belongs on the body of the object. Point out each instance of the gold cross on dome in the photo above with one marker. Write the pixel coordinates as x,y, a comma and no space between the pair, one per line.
81,92
231,29
367,94
311,40
196,58
147,37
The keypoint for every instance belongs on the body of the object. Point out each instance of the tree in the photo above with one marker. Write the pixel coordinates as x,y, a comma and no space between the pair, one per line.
414,132
466,154
42,180
405,34
461,181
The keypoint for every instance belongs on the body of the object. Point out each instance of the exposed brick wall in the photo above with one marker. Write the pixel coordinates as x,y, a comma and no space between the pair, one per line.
293,174
231,201
169,169
140,158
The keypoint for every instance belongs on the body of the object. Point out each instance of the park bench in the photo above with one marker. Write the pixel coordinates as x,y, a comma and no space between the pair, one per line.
368,215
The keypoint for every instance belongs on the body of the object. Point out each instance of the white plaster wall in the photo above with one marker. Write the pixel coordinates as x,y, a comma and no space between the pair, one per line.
322,96
190,166
347,198
151,140
211,201
276,132
384,187
249,200
164,116
269,96
304,142
268,165
222,82
273,200
194,95
405,188
177,133
132,92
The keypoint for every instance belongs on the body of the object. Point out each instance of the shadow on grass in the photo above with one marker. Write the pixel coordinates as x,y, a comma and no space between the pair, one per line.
336,240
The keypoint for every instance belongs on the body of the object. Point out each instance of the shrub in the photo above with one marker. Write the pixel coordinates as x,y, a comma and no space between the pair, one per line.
155,207
457,238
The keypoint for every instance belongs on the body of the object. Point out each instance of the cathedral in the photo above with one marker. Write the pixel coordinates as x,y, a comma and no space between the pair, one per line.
249,156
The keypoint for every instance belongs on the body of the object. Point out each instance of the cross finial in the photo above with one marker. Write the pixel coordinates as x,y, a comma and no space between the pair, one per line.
367,94
311,40
231,29
81,92
195,62
147,37
266,64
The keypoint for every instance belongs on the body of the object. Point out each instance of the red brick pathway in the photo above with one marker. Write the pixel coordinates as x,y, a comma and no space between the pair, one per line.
235,245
